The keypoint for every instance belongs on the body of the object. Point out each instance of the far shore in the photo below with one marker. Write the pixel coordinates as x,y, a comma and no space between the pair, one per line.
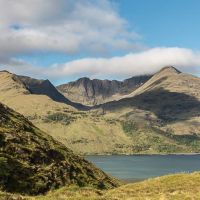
152,154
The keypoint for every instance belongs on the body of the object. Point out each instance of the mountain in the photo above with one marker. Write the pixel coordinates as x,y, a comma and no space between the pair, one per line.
167,105
45,87
22,97
160,116
169,94
32,162
92,92
84,132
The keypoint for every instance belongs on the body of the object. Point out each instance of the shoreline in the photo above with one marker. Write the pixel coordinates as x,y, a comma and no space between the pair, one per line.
152,154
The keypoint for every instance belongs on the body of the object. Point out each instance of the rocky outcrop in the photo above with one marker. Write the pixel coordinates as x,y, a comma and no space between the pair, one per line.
92,92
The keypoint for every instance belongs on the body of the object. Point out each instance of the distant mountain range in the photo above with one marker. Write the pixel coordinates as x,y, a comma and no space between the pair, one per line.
157,113
93,92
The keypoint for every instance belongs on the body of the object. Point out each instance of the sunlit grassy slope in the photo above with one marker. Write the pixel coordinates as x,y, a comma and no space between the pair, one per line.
181,186
82,131
171,187
146,122
171,96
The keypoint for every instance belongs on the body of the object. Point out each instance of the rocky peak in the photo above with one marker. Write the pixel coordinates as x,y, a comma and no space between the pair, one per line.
96,91
169,69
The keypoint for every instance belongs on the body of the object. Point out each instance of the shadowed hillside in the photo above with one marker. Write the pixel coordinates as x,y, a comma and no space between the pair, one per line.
31,162
167,106
45,87
173,97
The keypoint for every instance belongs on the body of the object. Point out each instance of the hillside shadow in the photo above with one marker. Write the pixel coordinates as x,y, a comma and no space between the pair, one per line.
45,87
167,106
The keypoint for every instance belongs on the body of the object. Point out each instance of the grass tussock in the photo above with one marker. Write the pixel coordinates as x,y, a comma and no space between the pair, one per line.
171,187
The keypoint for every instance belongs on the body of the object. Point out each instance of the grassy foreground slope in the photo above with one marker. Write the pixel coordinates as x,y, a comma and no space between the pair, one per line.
32,162
171,187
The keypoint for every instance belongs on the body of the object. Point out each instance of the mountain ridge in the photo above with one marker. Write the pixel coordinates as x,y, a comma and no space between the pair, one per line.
45,87
95,91
173,96
160,116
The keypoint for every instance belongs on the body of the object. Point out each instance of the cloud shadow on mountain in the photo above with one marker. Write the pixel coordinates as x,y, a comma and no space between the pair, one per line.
167,106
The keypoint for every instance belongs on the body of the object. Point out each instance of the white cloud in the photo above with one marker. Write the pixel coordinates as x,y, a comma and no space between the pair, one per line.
145,62
71,27
65,26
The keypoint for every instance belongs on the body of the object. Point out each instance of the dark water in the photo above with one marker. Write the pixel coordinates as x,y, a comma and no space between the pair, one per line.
133,168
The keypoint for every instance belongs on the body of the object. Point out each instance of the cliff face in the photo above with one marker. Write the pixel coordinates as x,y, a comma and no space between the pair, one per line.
31,162
92,92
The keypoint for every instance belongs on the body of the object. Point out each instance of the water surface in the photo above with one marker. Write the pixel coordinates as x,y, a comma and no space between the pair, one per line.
140,167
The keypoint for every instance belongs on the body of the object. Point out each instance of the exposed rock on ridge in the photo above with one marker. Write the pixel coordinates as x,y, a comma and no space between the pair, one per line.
92,92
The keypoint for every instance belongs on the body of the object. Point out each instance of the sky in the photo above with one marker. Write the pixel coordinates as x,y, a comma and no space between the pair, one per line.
63,40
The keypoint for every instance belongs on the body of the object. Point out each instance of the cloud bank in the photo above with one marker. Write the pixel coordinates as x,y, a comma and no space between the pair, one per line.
145,62
89,27
64,26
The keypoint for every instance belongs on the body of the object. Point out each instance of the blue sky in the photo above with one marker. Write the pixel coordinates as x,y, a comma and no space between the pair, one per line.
164,22
159,22
66,39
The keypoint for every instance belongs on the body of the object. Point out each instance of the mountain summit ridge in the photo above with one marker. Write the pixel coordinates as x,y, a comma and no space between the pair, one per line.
36,87
95,91
169,68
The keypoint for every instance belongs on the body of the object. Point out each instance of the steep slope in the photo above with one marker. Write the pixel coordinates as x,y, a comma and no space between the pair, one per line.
169,94
31,162
10,85
92,92
17,95
45,87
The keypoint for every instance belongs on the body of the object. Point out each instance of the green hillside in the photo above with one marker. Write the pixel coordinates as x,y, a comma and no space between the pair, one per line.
32,162
171,187
160,116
